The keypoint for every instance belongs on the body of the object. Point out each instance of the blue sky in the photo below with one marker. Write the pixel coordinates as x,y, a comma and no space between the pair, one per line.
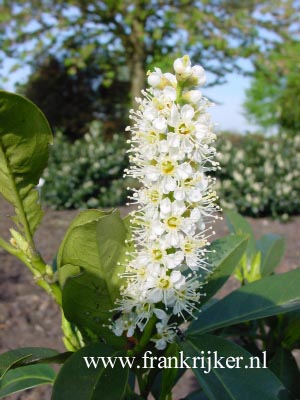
227,112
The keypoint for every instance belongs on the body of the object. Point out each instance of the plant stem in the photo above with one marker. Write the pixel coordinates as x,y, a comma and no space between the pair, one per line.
146,336
38,268
71,341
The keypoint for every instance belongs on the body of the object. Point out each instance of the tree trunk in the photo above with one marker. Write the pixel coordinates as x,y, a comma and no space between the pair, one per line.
138,74
137,62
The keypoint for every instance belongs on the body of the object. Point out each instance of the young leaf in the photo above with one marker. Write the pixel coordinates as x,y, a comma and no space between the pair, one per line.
231,383
78,381
11,359
25,378
24,138
240,226
272,249
226,254
269,296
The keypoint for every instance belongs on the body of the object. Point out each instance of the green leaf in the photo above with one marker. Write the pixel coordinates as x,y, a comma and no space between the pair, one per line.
95,241
25,378
272,249
13,358
78,382
269,296
291,331
285,367
169,375
79,246
198,395
24,138
226,254
230,382
82,219
95,244
67,271
86,303
239,225
111,236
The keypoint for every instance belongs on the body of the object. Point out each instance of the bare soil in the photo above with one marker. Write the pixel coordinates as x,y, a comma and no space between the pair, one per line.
28,317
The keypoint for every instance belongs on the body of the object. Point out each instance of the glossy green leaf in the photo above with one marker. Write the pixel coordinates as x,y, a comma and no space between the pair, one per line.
82,220
269,296
240,226
111,236
79,246
272,249
25,378
285,367
12,358
87,303
226,254
230,382
78,382
67,271
95,241
24,138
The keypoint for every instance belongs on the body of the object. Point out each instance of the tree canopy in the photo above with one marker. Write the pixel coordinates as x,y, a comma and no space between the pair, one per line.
72,101
123,39
274,95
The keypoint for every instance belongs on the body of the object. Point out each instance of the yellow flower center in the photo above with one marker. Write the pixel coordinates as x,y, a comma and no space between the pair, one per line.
154,196
183,129
141,272
164,283
157,254
152,137
189,247
173,222
167,167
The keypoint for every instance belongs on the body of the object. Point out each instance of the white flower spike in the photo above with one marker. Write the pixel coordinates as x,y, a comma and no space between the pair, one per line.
171,153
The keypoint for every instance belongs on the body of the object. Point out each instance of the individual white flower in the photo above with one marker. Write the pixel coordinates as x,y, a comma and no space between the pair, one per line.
165,333
193,97
198,75
125,323
192,248
183,67
162,288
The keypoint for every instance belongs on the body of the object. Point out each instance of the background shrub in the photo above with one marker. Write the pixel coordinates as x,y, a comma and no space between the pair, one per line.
86,173
260,176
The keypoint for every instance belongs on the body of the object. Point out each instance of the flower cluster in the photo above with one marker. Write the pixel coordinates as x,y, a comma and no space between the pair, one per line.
171,151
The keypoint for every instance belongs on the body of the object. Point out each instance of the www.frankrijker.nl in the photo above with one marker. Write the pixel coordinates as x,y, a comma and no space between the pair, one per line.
207,361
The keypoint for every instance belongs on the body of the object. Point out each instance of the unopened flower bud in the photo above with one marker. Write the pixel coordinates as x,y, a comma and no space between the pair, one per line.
182,67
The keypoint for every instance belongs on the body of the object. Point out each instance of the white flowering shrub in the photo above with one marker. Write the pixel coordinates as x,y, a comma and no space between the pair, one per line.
259,176
125,286
87,173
